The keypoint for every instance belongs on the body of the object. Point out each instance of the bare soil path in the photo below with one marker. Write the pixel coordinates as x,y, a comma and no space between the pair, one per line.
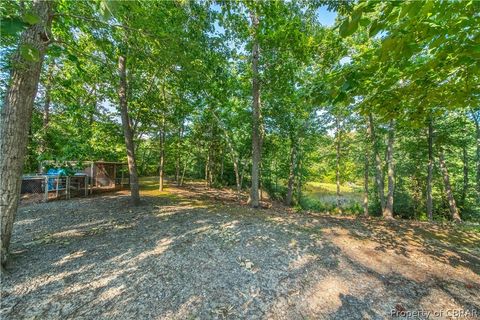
192,253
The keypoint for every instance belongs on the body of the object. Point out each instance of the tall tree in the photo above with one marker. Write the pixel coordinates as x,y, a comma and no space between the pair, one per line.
448,189
127,129
378,163
388,211
430,170
16,113
256,114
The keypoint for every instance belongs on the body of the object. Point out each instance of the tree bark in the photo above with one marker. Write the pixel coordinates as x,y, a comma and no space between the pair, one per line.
127,130
16,115
388,211
291,175
448,190
256,116
430,170
378,164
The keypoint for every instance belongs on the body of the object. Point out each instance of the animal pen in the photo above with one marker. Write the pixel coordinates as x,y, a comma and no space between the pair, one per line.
83,179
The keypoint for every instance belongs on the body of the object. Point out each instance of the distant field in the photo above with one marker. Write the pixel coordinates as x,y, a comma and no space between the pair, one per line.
326,193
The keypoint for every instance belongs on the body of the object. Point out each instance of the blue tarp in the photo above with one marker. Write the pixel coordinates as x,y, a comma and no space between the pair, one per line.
52,184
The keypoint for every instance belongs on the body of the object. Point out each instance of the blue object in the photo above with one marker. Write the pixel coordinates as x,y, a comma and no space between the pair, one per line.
56,172
51,181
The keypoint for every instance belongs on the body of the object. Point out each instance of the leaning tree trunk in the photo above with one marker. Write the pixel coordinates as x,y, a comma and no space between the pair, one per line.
256,117
448,189
378,164
16,115
127,130
430,170
291,174
388,211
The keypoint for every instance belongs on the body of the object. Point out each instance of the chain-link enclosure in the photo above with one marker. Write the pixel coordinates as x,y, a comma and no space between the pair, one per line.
90,177
45,188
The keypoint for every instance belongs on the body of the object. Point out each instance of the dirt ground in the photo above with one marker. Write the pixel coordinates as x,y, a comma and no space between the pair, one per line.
192,253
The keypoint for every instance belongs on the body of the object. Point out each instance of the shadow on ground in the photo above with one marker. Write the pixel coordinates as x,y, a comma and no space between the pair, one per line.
194,253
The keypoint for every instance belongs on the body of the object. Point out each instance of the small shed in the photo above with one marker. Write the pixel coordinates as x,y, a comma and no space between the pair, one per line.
102,175
105,174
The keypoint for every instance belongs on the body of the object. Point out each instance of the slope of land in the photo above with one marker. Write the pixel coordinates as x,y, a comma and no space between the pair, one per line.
191,253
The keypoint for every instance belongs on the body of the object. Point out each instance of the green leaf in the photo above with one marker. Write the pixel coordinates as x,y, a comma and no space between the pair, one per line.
414,8
29,53
12,26
374,28
72,57
344,28
31,18
348,27
364,22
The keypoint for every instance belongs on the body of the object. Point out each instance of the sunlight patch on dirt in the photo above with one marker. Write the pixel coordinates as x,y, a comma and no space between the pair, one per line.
325,295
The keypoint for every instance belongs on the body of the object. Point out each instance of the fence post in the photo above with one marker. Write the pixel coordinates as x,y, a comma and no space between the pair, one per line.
57,180
68,187
86,186
45,195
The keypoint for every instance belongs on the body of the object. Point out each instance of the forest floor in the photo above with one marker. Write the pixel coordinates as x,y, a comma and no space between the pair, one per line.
189,253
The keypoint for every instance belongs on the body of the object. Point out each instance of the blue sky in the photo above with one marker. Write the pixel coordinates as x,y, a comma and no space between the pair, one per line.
325,17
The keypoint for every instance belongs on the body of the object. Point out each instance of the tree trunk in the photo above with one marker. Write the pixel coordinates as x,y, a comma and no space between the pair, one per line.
476,120
448,189
256,117
235,161
365,178
388,211
291,175
430,170
378,164
242,174
46,119
207,166
16,115
183,173
222,167
299,174
162,157
465,176
127,131
211,158
177,160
